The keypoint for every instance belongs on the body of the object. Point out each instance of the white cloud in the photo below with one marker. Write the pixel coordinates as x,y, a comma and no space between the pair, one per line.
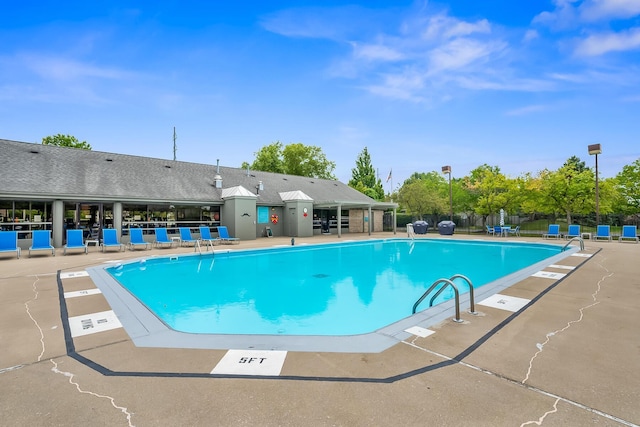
56,68
526,110
443,27
530,35
596,10
376,52
572,13
400,86
335,23
461,52
562,17
476,82
600,44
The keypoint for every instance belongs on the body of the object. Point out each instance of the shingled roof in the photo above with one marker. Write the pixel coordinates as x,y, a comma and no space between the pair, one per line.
51,172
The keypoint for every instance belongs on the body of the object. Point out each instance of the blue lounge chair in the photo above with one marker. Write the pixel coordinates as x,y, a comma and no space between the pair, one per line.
206,238
9,242
603,232
74,241
162,237
497,230
554,231
41,241
223,234
574,231
136,239
185,236
110,239
490,230
628,233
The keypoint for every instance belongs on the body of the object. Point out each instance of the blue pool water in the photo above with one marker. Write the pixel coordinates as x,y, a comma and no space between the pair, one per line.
342,289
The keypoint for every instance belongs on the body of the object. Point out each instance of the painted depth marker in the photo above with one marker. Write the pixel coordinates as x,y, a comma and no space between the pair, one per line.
420,332
562,267
72,274
549,275
251,362
75,294
505,302
93,323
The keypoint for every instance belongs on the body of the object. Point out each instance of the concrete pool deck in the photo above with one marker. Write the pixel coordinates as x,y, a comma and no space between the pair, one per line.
569,357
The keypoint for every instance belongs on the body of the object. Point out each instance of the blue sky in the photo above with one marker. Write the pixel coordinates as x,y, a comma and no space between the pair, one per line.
522,85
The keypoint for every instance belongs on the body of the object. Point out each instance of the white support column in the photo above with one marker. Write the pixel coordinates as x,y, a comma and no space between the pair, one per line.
395,221
339,220
370,220
117,216
57,224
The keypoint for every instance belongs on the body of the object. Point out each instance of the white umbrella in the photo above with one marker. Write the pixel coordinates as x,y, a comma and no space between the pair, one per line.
501,217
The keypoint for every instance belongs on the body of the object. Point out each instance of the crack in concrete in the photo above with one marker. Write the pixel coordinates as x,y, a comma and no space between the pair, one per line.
26,306
55,367
526,386
541,419
548,336
540,347
101,396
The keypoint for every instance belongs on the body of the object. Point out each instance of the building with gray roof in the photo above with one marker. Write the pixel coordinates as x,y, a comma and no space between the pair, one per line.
50,187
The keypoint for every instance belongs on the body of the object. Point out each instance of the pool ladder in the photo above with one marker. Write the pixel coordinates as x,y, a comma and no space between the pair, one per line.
449,282
579,239
410,232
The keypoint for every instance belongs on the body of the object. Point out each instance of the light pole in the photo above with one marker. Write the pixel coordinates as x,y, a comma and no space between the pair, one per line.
447,170
595,149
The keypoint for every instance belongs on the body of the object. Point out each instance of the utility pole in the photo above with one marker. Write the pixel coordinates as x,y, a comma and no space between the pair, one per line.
174,143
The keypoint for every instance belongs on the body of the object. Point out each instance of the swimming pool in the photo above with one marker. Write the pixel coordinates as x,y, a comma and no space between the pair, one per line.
340,289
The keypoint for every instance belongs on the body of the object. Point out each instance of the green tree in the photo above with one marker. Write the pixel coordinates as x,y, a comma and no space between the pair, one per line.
568,190
268,159
293,159
576,164
364,178
65,141
307,160
424,193
492,190
628,187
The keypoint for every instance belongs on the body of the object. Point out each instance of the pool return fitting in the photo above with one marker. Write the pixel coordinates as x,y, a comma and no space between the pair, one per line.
449,282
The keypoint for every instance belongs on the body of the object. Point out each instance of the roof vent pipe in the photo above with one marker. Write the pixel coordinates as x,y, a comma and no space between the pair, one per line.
218,166
247,170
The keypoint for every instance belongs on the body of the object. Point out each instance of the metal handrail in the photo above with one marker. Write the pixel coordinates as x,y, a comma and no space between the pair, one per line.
572,239
472,304
447,282
410,231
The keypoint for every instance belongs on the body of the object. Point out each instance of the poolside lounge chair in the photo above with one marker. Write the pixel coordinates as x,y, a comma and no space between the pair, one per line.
490,230
41,241
514,231
74,241
603,232
9,242
206,238
554,231
497,230
162,237
574,231
136,239
223,234
110,239
628,233
185,236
